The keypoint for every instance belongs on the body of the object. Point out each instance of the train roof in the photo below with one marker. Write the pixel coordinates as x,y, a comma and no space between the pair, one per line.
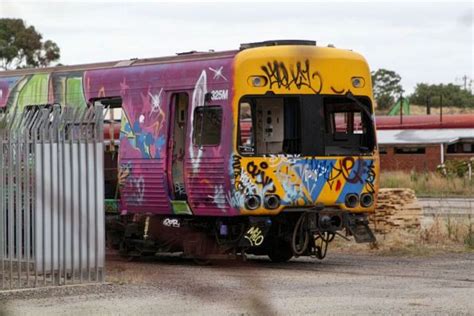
180,57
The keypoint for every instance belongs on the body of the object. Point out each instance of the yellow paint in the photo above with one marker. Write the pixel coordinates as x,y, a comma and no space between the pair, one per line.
330,73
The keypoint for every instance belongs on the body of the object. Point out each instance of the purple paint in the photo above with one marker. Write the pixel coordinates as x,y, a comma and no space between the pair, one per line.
146,93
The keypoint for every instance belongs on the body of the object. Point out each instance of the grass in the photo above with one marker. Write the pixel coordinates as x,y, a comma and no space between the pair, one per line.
428,184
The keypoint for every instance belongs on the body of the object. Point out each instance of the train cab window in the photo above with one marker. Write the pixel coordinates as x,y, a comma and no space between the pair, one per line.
207,125
348,126
305,125
269,125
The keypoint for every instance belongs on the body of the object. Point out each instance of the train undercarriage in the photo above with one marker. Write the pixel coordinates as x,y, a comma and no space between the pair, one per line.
281,237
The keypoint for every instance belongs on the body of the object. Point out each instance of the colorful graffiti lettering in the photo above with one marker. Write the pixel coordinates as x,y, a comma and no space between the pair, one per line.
258,173
300,180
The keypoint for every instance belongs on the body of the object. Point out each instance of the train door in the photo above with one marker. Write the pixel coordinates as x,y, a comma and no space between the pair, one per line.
176,151
112,121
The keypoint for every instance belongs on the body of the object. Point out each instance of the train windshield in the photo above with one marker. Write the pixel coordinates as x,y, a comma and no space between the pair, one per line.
308,125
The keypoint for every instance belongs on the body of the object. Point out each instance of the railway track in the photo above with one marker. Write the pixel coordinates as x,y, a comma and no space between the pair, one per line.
456,207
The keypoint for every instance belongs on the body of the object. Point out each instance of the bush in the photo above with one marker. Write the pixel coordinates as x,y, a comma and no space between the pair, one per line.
452,95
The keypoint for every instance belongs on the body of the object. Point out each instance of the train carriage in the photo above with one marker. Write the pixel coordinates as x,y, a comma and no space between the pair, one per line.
268,150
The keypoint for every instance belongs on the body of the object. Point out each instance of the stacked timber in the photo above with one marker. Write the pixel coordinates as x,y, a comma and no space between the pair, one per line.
397,209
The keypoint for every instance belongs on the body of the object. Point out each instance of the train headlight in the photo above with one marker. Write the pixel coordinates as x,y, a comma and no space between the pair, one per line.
257,81
358,82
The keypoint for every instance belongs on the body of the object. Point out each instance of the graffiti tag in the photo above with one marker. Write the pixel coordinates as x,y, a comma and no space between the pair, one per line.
261,178
298,76
255,236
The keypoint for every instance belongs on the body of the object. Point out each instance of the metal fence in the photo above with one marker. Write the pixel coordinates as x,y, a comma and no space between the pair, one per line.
51,196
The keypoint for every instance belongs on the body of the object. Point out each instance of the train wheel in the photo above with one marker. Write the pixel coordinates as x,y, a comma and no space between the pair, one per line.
280,251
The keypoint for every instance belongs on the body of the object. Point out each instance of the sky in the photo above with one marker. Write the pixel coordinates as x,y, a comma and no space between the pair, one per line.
429,42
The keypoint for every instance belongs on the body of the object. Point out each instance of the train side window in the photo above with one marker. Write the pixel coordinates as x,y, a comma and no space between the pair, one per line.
207,125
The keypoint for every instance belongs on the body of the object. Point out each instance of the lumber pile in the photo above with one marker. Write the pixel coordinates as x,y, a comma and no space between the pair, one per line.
397,209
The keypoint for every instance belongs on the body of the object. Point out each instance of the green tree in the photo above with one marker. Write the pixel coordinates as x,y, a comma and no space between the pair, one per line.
22,46
387,87
451,95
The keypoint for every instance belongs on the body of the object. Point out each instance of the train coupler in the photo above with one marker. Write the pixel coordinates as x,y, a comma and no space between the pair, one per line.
358,226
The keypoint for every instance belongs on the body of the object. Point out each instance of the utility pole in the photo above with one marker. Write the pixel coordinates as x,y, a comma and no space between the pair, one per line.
464,79
441,108
401,108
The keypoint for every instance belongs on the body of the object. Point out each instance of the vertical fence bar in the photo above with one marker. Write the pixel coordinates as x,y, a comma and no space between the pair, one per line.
10,207
24,202
2,198
26,194
95,162
88,197
96,203
79,152
51,200
44,132
99,112
63,190
77,114
18,197
57,215
10,197
34,222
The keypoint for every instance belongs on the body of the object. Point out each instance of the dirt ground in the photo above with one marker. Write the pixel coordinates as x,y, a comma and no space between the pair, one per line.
344,283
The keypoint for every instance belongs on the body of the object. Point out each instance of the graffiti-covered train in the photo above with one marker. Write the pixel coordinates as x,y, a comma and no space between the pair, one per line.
265,150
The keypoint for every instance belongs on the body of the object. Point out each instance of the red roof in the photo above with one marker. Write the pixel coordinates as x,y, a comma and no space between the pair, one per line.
425,121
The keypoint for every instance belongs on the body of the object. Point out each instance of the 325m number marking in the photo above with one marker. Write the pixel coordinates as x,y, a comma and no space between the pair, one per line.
217,95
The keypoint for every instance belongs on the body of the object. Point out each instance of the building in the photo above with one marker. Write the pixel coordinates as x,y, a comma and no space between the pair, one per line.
424,142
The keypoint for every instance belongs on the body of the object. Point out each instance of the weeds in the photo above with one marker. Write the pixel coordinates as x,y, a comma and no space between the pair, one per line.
440,236
427,183
469,239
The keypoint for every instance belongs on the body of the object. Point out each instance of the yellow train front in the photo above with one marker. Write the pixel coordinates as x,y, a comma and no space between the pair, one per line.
305,150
